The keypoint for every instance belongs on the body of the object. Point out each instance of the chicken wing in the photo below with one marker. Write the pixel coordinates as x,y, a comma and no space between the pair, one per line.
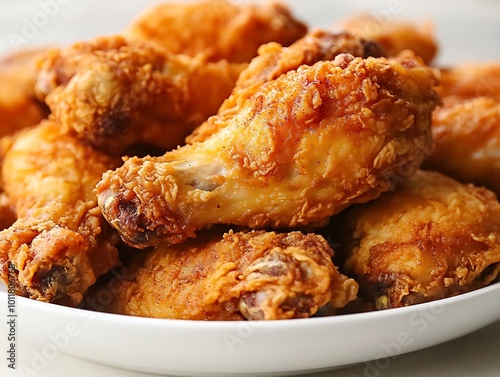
471,80
275,60
432,238
254,275
60,242
467,135
394,36
217,29
115,93
302,148
18,106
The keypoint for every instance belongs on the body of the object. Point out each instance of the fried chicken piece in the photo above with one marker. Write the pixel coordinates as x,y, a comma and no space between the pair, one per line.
471,80
115,93
302,148
217,29
256,275
275,60
5,144
394,37
60,243
467,134
432,238
7,215
18,106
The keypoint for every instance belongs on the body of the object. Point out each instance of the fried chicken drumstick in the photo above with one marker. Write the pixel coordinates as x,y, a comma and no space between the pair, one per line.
275,60
7,215
60,242
217,29
467,127
467,134
431,238
254,275
471,80
394,37
115,93
18,105
302,148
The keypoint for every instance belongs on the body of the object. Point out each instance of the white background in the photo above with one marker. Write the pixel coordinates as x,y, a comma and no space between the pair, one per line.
468,30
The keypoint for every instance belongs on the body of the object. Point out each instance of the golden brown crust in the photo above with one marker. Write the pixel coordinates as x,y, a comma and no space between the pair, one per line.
252,275
393,37
60,243
467,134
217,29
115,93
431,238
18,106
275,60
471,80
302,148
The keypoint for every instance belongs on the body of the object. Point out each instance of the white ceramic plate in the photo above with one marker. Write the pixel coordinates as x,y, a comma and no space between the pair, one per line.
192,348
255,348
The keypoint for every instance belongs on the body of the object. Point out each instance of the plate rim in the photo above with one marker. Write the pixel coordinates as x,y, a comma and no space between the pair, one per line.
51,307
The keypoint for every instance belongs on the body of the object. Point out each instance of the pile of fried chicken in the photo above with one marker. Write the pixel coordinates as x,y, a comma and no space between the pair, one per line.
247,167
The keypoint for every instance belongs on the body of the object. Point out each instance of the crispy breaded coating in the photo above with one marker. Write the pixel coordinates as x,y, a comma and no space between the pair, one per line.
5,144
275,60
217,29
115,93
394,36
255,275
431,238
60,243
302,148
18,105
471,80
467,147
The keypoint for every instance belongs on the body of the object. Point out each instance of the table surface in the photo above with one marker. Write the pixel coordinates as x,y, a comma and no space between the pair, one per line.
473,355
